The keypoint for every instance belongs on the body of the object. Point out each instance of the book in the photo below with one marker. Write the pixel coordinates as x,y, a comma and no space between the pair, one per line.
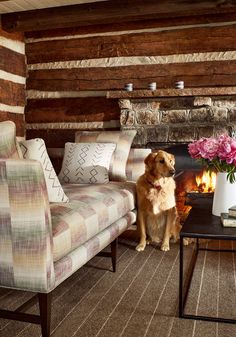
232,211
227,220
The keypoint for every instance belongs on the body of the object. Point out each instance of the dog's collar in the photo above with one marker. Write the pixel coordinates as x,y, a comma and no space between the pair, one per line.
156,186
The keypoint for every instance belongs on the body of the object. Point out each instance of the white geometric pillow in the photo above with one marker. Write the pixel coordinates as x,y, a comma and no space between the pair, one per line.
123,140
86,163
36,149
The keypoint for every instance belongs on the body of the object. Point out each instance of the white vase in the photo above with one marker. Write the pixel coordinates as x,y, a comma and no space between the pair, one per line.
224,195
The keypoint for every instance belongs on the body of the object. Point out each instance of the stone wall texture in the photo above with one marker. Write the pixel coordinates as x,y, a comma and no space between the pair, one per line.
178,119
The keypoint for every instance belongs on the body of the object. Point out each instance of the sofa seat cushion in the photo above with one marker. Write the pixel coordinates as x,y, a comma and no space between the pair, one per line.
91,209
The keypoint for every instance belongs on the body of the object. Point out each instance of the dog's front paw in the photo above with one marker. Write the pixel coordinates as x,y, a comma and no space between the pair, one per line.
165,247
140,247
187,241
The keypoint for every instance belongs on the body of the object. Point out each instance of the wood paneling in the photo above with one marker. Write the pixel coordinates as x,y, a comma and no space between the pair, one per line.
12,93
180,41
12,62
72,110
111,12
194,74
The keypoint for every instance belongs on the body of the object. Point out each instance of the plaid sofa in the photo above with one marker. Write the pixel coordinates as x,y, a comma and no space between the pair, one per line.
42,243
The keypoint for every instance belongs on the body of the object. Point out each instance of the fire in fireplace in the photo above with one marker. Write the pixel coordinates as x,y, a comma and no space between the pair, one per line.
206,182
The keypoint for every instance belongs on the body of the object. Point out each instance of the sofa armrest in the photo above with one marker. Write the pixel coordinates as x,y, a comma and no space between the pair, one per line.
135,166
26,260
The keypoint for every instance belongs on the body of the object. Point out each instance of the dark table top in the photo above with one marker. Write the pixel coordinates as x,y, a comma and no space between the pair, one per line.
202,224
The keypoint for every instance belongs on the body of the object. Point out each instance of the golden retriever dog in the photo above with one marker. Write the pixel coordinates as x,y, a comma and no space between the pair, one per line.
157,214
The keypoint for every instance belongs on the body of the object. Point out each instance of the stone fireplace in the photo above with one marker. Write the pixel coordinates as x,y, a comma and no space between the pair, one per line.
172,122
177,120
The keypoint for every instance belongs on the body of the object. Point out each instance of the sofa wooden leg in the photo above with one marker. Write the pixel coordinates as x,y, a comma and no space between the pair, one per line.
114,245
45,313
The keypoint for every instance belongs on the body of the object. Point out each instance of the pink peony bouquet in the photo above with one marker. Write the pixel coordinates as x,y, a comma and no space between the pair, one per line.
217,154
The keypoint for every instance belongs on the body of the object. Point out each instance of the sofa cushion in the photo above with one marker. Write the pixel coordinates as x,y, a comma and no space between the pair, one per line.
79,256
86,163
91,209
135,164
36,149
122,139
8,148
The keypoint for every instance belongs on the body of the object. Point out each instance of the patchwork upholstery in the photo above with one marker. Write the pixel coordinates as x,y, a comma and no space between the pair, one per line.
135,164
8,148
91,209
42,243
26,260
36,149
123,141
78,257
86,163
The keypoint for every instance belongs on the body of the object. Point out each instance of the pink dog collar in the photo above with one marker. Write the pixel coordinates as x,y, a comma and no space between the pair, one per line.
158,187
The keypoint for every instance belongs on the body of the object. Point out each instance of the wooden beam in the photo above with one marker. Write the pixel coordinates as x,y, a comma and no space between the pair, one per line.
71,110
12,93
134,25
12,62
106,12
194,74
168,42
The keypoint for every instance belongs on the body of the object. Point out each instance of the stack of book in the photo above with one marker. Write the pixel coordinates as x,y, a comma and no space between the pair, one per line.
229,219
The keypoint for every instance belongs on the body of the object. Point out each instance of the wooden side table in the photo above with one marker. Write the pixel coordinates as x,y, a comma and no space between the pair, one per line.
200,224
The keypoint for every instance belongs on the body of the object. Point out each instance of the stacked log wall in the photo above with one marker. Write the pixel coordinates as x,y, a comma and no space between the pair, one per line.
71,70
13,79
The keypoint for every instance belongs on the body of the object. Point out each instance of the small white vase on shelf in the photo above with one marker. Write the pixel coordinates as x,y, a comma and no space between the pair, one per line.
224,195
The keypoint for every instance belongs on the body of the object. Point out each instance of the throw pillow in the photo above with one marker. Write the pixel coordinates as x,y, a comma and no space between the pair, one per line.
135,164
123,141
8,147
86,163
36,149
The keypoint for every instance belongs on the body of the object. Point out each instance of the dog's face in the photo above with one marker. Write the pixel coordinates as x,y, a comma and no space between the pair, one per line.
160,163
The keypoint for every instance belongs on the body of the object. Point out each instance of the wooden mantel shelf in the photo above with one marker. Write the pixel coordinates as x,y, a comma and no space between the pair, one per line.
207,91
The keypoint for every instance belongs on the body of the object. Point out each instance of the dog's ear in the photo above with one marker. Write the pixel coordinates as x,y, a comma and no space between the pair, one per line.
149,159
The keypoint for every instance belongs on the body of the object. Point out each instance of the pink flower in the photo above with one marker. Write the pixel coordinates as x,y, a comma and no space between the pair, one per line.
193,149
218,154
208,148
227,149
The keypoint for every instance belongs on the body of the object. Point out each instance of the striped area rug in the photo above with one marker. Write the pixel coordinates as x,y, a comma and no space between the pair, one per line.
140,299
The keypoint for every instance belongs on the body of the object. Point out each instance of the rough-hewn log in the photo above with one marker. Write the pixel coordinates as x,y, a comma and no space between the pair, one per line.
72,110
12,62
111,12
134,25
180,41
12,93
18,119
12,36
217,73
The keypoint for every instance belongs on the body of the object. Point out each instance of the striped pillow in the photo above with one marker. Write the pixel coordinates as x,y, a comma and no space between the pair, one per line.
8,147
135,165
123,141
36,149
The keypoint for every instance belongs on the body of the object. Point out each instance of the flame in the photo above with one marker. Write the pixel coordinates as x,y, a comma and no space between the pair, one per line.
206,182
